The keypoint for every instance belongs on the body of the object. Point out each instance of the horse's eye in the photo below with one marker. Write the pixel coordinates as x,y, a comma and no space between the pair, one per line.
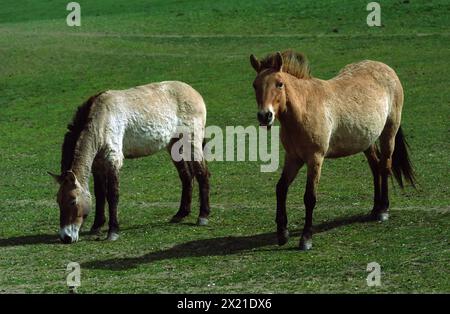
73,202
279,85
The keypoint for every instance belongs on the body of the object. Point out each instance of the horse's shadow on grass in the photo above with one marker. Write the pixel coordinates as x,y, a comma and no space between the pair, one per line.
35,239
30,240
215,246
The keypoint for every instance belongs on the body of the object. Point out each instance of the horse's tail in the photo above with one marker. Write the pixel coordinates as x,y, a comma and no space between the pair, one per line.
401,164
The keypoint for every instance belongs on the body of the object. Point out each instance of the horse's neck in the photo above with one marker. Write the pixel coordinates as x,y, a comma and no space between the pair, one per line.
85,151
301,101
297,92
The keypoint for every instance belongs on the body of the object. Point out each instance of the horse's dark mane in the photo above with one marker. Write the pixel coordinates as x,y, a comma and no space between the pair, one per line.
78,124
294,63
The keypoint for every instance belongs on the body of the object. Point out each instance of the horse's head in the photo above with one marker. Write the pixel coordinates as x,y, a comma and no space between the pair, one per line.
74,206
269,89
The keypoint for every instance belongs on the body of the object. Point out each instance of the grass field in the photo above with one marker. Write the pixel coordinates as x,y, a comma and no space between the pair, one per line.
47,69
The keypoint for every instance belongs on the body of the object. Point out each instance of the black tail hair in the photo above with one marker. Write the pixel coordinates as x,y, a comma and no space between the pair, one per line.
401,164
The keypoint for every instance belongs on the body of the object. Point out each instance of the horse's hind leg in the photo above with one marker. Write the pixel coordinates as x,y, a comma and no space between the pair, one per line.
201,173
186,178
100,199
374,163
387,145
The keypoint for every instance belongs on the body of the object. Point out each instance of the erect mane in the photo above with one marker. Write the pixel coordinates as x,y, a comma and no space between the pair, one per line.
294,63
78,124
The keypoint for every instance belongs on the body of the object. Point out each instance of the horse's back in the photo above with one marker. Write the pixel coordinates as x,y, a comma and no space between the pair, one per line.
368,95
144,119
371,74
156,98
378,69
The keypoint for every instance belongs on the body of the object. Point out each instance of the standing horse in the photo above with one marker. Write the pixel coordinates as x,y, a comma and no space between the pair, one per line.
131,123
329,119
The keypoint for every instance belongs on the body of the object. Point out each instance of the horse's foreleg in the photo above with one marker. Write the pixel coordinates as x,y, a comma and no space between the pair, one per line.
112,196
312,183
100,200
374,163
290,170
186,195
202,175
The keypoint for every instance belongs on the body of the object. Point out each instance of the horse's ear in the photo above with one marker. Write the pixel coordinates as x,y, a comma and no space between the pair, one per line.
278,65
56,177
255,63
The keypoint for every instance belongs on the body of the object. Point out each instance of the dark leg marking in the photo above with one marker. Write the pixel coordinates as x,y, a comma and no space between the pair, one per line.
387,145
186,195
312,182
112,196
382,213
290,171
202,175
100,200
374,163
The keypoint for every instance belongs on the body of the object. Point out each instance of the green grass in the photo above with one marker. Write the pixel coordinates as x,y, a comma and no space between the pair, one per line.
47,69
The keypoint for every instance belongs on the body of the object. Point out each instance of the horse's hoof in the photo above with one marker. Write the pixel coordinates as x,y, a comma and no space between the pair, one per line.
179,217
283,237
305,244
383,216
95,231
379,216
176,219
112,236
202,221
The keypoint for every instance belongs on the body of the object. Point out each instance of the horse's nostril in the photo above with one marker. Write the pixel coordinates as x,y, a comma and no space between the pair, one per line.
265,117
260,116
66,239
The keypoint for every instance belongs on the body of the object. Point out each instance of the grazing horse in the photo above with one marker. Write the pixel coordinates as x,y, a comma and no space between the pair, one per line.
329,119
118,124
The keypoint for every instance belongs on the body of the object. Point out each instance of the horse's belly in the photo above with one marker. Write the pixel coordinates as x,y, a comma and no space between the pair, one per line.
357,128
351,140
146,138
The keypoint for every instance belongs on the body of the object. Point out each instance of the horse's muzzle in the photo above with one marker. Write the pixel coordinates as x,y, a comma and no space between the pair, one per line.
265,118
69,234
